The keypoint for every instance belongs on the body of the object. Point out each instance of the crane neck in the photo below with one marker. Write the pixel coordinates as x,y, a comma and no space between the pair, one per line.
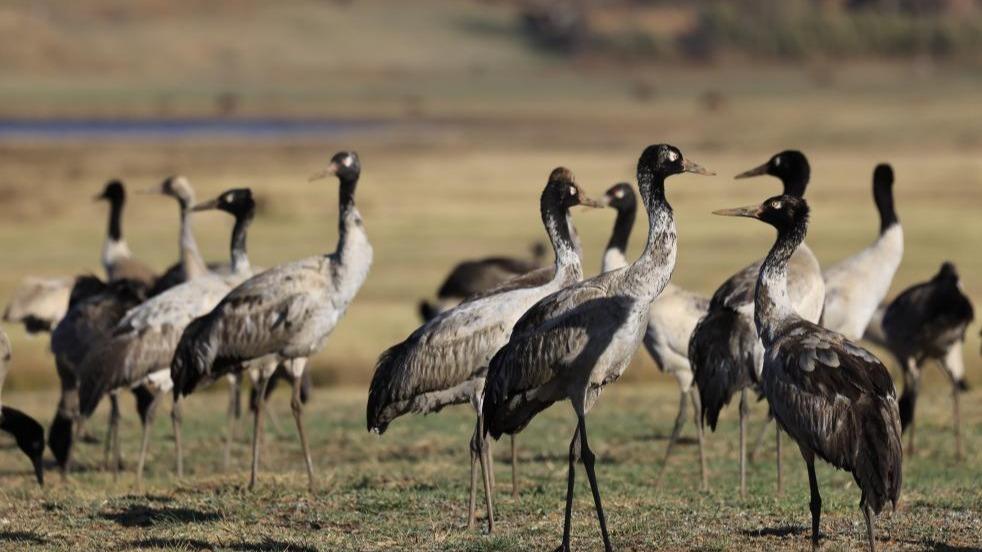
115,230
796,182
559,226
651,271
237,249
772,304
351,229
191,260
883,197
616,251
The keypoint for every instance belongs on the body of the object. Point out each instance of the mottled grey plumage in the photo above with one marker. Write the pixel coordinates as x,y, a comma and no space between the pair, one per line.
573,343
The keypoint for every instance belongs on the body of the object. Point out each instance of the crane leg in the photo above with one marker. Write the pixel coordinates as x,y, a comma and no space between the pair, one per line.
777,443
870,529
257,427
588,462
574,453
744,411
472,505
234,391
759,441
117,455
297,406
956,419
111,430
514,469
674,437
816,497
175,418
148,419
697,406
485,458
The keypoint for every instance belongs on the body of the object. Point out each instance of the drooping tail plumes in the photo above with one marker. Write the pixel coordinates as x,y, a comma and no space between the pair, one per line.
382,390
879,457
193,358
720,337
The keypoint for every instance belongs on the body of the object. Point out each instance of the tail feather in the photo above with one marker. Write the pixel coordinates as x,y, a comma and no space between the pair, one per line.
381,391
878,467
194,358
721,354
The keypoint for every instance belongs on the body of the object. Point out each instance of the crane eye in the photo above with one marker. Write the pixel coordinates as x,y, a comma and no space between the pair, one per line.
672,156
619,194
572,190
776,204
777,161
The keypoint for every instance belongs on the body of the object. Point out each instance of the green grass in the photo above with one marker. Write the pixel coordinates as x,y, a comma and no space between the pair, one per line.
408,489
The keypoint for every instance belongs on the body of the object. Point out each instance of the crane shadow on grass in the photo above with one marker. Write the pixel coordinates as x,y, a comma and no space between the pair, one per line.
782,531
140,515
22,537
165,543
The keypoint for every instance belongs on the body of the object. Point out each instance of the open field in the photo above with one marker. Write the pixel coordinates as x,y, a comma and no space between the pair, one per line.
408,489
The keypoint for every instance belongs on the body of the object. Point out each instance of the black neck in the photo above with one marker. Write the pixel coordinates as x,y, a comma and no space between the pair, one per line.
239,257
115,217
555,219
346,199
771,301
883,196
651,184
622,227
796,183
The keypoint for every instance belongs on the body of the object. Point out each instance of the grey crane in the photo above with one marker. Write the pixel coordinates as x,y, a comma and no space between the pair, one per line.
474,277
282,315
94,309
140,350
28,434
117,259
855,286
834,398
39,303
574,342
927,321
724,350
444,361
672,317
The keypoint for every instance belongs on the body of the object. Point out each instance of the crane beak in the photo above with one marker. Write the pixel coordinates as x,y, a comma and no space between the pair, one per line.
38,469
331,170
153,190
751,211
756,171
207,205
590,202
696,168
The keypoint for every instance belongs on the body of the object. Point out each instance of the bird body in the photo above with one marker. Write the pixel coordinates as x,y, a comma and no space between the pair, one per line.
117,259
27,432
39,303
856,286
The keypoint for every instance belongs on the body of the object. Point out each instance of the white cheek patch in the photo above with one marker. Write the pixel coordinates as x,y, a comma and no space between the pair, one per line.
572,191
777,161
672,156
348,160
619,194
228,198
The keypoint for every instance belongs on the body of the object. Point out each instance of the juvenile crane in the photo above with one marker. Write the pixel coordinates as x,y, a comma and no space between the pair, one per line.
856,286
673,316
834,398
28,434
574,342
444,362
140,350
282,315
927,321
117,259
725,351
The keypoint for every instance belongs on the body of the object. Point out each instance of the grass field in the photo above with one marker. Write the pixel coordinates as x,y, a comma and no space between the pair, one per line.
408,489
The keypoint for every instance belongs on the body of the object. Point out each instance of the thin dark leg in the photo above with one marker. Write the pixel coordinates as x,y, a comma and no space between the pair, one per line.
175,417
697,406
674,437
574,453
297,406
514,469
759,441
257,428
148,419
744,411
472,504
588,461
234,390
870,530
816,501
777,443
485,457
111,433
117,459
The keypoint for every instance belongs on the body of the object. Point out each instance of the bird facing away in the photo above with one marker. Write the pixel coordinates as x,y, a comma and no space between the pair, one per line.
724,350
856,286
470,278
574,342
28,434
834,398
117,259
140,350
444,362
927,321
94,309
39,303
282,315
672,317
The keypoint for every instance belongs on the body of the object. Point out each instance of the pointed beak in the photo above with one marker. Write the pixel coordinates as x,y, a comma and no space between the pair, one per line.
696,168
331,170
756,171
751,211
38,470
207,205
159,189
99,197
590,202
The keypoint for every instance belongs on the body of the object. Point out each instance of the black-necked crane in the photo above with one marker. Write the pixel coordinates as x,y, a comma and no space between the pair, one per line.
28,434
117,259
834,398
724,350
39,303
142,345
673,316
573,343
94,309
477,276
927,321
444,362
282,315
855,286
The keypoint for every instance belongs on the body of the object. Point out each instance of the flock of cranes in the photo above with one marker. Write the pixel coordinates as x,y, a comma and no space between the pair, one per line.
511,337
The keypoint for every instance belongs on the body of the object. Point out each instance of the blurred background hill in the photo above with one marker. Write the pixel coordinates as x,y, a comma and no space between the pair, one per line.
459,109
